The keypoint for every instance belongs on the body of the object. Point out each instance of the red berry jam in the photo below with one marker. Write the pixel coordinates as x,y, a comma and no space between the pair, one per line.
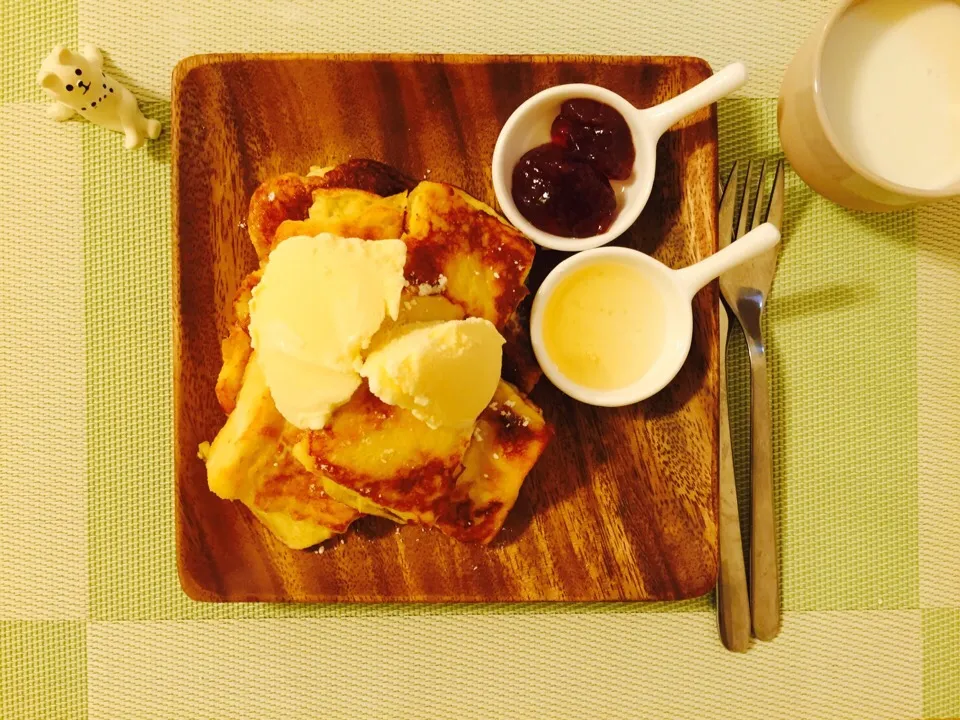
595,132
563,187
562,194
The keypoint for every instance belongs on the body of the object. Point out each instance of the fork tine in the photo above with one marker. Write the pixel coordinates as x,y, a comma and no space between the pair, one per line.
732,175
758,204
775,208
745,201
728,199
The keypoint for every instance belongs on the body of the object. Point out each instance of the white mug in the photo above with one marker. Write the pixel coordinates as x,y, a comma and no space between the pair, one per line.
869,111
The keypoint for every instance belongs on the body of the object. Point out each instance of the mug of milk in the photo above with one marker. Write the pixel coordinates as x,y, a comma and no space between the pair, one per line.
869,111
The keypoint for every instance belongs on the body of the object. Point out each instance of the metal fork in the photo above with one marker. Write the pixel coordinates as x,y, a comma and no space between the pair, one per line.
733,603
745,289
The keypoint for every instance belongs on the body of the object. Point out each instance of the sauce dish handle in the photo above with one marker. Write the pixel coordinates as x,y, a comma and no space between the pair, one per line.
661,117
759,240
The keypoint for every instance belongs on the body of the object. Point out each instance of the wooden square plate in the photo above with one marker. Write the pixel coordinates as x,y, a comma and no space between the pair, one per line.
623,503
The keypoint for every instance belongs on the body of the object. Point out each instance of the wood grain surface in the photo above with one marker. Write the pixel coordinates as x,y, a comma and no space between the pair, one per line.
622,505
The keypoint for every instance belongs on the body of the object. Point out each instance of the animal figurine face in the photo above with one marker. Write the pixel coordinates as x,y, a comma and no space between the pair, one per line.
74,80
78,84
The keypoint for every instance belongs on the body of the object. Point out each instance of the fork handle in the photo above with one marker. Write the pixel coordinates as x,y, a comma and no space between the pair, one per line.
764,576
733,603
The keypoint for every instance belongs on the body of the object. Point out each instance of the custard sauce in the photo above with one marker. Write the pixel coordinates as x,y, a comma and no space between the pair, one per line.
604,325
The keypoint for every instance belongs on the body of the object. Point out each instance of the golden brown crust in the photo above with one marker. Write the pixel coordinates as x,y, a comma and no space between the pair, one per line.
370,176
289,196
385,454
250,461
348,213
241,302
508,439
284,197
463,482
292,490
235,349
483,260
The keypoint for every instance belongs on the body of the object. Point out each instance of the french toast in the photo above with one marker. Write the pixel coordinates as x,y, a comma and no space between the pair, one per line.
290,196
378,459
462,259
483,260
349,213
249,460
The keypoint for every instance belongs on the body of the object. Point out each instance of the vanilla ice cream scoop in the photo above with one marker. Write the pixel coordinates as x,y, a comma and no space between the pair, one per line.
445,373
313,313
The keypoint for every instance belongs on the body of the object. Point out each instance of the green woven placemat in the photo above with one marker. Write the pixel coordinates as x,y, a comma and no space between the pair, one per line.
92,619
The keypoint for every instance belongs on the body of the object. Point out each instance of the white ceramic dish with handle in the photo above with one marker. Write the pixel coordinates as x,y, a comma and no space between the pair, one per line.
677,289
529,126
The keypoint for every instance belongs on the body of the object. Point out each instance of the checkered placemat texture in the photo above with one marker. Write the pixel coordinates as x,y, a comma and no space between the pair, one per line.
864,345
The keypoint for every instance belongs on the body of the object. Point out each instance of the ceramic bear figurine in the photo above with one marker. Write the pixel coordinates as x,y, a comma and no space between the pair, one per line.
78,84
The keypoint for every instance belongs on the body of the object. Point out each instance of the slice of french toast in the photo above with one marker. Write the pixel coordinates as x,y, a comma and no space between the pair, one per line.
250,460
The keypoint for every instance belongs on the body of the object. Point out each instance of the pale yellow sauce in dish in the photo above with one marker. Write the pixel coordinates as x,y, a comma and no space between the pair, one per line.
604,325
